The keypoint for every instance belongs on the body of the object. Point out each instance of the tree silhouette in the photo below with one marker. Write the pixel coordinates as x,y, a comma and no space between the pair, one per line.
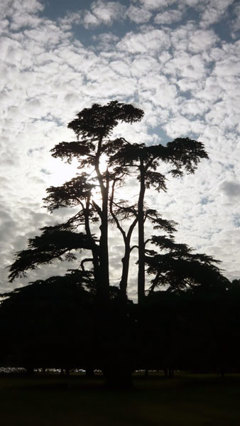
117,326
181,155
49,323
93,127
177,267
106,163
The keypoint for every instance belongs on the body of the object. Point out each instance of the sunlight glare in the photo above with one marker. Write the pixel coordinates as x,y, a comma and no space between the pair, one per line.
103,163
61,172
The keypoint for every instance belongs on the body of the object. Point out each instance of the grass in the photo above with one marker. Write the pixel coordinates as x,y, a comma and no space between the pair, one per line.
77,401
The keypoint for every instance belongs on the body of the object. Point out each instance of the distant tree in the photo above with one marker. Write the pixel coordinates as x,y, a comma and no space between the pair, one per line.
59,323
49,324
235,285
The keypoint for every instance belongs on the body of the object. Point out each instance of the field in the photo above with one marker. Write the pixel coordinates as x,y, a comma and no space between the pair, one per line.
185,400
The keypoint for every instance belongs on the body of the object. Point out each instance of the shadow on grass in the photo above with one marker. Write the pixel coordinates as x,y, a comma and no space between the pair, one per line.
196,400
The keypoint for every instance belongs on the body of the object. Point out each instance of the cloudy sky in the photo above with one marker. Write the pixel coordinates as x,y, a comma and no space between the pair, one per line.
177,60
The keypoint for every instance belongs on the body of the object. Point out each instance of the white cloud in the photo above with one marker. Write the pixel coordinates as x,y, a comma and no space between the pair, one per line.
70,19
90,19
182,126
156,4
201,41
22,13
138,14
100,13
193,107
143,65
122,67
186,66
214,11
159,90
106,12
151,40
14,7
189,38
168,17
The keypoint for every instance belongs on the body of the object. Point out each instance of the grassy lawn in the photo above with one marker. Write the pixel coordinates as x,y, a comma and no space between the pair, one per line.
76,401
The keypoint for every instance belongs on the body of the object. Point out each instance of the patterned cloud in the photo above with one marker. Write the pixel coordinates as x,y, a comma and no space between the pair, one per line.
179,61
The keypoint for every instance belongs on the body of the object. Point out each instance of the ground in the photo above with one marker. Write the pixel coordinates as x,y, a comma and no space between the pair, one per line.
186,400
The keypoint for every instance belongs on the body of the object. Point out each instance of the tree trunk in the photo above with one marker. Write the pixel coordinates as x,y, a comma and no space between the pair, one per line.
141,246
125,270
90,372
104,257
29,371
126,259
127,249
95,248
118,377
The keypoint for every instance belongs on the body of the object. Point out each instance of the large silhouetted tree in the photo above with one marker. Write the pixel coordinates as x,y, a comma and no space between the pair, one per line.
105,163
93,147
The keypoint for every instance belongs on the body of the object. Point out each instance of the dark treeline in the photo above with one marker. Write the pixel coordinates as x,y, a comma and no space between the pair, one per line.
58,324
187,311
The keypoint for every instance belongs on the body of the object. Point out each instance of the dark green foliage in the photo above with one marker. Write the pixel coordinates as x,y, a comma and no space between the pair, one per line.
168,226
182,153
98,120
194,330
59,323
49,323
177,267
70,194
186,154
53,243
69,150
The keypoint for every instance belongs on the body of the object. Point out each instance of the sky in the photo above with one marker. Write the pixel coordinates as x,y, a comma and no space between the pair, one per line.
177,60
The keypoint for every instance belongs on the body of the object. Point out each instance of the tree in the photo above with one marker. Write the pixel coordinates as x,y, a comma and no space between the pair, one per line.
181,154
93,127
176,267
106,163
39,323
